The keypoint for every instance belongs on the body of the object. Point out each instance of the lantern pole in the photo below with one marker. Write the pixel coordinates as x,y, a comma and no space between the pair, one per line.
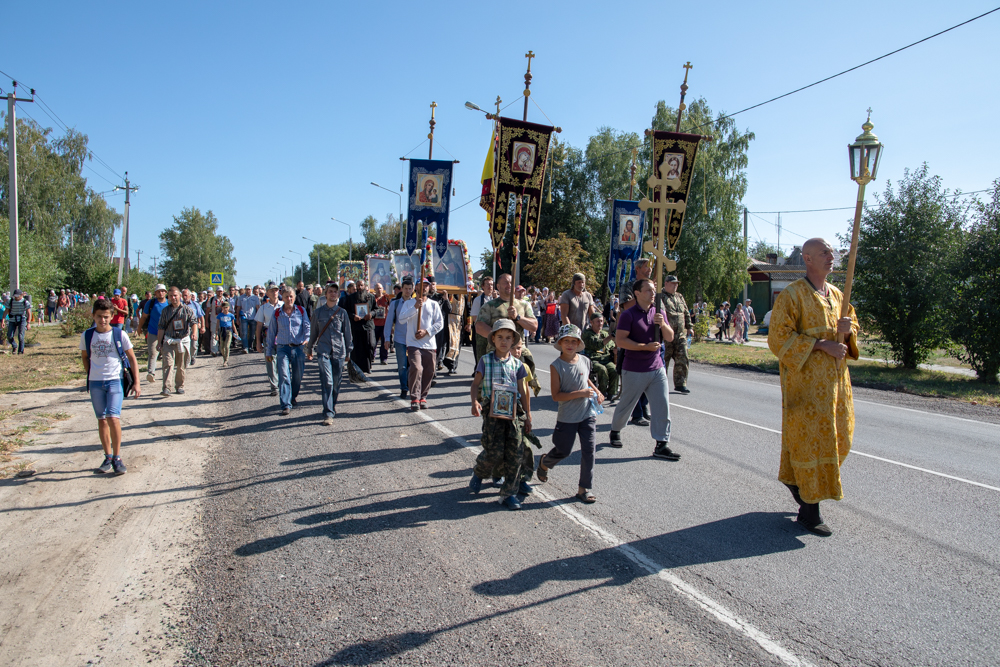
865,176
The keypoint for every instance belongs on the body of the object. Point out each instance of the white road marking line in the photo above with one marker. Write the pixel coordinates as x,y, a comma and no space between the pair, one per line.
683,588
856,400
853,451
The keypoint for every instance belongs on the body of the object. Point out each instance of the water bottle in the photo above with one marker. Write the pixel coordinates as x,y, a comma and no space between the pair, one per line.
595,407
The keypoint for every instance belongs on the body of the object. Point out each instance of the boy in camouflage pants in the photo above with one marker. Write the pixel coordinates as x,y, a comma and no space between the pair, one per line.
503,434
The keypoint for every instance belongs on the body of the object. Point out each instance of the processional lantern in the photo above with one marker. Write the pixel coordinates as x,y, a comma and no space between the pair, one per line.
865,153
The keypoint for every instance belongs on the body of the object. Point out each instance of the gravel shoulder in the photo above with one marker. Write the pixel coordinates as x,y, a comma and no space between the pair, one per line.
94,567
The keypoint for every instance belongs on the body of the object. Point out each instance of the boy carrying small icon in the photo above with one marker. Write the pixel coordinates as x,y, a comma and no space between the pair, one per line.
502,386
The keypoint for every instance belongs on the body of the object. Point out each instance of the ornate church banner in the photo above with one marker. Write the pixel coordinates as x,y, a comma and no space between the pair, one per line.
673,164
628,223
522,154
428,203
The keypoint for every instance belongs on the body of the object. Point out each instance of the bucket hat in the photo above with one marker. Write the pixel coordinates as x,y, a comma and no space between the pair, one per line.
504,323
569,331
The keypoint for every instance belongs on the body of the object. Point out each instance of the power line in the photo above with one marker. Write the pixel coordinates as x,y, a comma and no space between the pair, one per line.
851,208
834,76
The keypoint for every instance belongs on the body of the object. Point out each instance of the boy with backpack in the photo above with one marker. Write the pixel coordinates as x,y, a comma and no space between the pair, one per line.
107,356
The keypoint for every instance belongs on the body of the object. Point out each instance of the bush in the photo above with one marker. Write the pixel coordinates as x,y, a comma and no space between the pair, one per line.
77,321
977,308
703,327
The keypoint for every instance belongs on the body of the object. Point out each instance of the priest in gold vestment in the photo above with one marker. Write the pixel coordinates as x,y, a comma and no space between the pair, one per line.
817,411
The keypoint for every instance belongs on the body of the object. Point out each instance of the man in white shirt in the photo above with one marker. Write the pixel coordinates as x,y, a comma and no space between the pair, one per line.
264,319
421,346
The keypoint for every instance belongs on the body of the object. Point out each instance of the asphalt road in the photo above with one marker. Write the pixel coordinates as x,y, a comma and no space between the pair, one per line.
359,544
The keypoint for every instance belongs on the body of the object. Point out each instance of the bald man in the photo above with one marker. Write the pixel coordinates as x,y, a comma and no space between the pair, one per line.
817,410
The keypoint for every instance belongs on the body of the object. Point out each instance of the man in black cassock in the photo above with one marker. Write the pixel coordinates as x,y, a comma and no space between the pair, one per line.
362,326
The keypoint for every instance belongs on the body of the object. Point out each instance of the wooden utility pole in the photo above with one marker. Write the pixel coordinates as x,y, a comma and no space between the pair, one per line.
123,254
15,260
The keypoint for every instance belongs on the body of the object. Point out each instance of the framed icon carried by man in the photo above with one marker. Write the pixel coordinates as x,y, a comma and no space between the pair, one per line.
451,271
405,265
629,225
380,271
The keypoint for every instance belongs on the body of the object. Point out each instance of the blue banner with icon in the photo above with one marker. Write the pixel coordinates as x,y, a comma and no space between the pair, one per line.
628,224
428,203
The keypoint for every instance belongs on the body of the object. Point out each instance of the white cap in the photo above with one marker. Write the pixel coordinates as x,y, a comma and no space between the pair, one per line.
160,286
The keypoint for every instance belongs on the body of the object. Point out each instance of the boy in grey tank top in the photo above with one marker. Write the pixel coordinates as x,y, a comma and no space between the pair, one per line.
578,399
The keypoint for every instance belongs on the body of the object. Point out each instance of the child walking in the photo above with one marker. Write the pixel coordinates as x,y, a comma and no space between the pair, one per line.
225,319
103,348
501,382
574,392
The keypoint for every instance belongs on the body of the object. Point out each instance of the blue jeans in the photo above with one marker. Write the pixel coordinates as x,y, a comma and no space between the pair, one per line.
330,372
245,333
106,396
291,361
402,366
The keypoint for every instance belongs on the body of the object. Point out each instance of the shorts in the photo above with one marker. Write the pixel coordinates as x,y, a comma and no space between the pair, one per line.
106,396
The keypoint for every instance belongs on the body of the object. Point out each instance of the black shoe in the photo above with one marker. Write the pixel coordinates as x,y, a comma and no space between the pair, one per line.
615,439
810,519
118,466
433,383
795,494
661,451
274,392
286,411
295,401
682,389
641,421
402,394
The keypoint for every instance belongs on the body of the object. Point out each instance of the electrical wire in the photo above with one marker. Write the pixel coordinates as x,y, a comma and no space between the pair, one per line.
851,208
834,76
477,198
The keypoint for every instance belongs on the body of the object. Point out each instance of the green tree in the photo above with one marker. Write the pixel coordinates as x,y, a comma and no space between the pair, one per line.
329,257
38,269
904,276
88,269
976,309
379,238
54,200
554,261
193,248
761,249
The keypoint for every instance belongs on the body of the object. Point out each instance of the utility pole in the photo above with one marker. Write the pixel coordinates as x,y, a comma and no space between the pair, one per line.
123,255
155,257
137,266
746,253
15,260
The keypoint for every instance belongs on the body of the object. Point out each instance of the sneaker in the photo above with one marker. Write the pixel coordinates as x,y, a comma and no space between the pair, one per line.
414,406
106,466
150,377
328,421
402,394
511,503
165,392
475,484
286,411
525,489
274,392
661,451
682,389
118,466
180,390
615,439
641,421
423,405
191,363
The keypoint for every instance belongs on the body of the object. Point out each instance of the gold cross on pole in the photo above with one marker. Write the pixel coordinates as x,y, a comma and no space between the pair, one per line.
665,207
430,152
529,55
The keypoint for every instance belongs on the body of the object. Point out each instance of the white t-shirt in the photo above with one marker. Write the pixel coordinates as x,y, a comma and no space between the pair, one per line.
104,361
265,314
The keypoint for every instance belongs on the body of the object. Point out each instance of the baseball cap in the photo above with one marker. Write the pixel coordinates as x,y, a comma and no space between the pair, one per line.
160,286
118,292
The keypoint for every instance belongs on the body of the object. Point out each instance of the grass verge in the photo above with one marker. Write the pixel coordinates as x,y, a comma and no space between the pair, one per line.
14,426
55,361
863,374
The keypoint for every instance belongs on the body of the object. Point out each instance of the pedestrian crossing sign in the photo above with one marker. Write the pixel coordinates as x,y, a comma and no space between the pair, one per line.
217,279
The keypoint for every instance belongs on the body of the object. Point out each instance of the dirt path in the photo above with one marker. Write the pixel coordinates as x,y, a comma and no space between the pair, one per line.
93,568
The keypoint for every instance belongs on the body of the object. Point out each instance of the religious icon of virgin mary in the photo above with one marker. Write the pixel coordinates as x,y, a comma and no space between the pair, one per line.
428,193
524,158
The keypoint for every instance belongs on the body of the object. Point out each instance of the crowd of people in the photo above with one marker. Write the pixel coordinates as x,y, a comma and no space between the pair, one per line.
623,364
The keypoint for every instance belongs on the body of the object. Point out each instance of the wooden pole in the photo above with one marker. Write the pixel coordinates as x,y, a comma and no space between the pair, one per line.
845,307
430,149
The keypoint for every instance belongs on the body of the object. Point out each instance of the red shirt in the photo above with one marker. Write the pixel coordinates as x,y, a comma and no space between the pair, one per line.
383,303
119,317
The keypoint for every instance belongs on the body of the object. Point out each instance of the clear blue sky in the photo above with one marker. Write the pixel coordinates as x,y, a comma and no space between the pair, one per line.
278,117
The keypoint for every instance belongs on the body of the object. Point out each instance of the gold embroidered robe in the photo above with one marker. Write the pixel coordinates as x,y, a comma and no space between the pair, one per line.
817,410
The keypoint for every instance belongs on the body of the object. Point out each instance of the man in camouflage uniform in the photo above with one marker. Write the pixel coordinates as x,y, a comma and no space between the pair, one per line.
520,313
676,311
599,346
